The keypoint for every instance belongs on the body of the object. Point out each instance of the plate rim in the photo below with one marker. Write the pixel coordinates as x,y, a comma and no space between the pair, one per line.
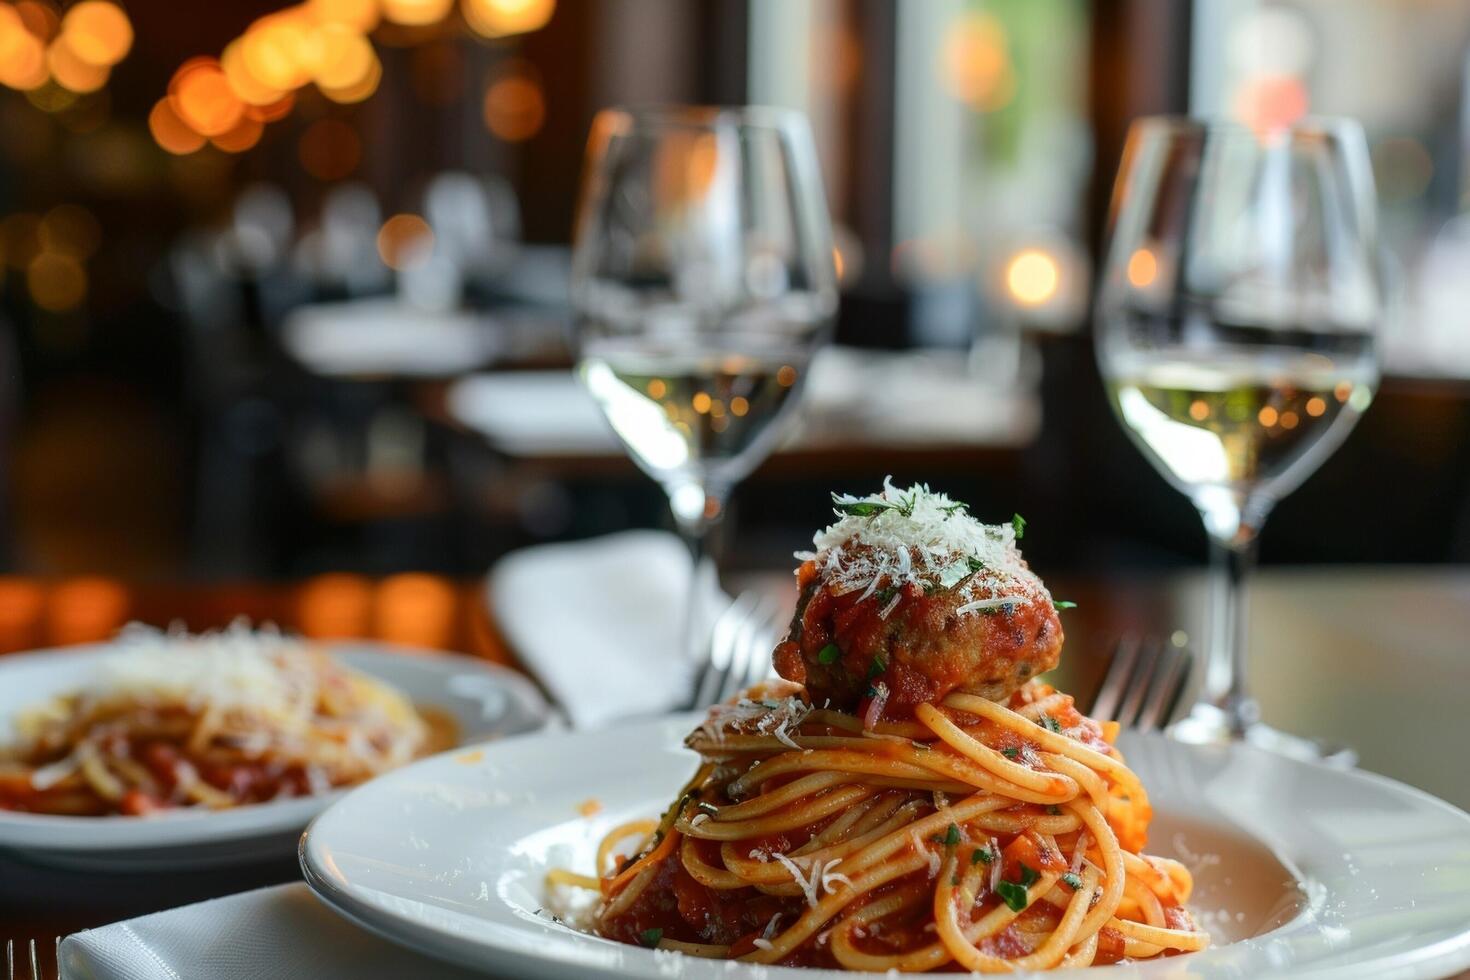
1443,957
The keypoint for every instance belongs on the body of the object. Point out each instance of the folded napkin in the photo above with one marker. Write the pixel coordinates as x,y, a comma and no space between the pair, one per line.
272,932
599,622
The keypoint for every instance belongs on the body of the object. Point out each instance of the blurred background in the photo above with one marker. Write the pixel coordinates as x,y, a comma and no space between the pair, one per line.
284,289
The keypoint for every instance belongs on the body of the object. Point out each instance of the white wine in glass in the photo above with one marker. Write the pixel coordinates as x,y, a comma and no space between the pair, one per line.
1237,336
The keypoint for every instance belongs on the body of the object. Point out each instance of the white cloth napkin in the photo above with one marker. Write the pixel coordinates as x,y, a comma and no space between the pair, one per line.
273,932
599,622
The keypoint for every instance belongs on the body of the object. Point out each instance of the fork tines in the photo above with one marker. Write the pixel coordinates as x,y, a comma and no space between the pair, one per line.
1143,683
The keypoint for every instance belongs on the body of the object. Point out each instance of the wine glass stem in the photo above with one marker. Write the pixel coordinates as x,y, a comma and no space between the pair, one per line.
694,522
1232,558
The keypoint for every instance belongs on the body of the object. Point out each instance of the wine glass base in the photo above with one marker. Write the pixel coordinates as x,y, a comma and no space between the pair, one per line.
1208,725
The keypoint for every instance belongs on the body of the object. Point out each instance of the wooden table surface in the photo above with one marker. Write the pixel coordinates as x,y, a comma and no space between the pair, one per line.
1376,658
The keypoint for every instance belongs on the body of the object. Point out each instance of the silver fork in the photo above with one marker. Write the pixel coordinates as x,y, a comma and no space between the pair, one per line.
31,968
739,649
1143,683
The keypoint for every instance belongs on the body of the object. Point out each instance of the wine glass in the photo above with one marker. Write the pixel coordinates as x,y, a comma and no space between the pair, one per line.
1236,334
703,281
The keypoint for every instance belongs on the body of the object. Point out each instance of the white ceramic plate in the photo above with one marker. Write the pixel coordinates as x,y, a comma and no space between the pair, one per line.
1299,870
485,700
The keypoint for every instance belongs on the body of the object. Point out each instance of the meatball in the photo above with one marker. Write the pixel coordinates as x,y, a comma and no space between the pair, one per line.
886,650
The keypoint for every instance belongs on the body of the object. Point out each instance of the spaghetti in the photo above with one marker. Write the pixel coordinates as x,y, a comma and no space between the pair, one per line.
963,832
215,721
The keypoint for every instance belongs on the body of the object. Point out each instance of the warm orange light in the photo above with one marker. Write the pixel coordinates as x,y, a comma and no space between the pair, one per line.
70,71
336,605
22,54
359,91
1268,103
69,229
1289,420
99,33
1267,416
498,18
514,108
271,111
85,610
1033,277
39,17
274,49
974,63
360,15
247,88
700,402
416,609
240,137
201,96
1316,405
1143,268
343,59
57,282
404,241
329,149
413,13
21,603
171,132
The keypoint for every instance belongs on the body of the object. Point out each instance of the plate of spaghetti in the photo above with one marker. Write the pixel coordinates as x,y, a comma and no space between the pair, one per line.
166,749
909,796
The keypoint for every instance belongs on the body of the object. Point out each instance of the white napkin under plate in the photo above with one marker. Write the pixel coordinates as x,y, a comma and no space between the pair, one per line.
272,932
599,622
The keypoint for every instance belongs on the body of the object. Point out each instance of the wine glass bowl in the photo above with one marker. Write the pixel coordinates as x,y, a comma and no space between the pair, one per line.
703,281
1237,319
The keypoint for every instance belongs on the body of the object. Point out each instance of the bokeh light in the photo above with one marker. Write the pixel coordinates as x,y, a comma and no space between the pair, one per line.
498,18
416,13
341,57
20,233
22,54
975,65
335,606
201,96
171,132
98,32
1143,268
246,86
416,609
240,137
72,72
69,229
86,610
329,149
514,106
1032,276
272,111
57,282
359,90
405,241
40,18
273,49
359,15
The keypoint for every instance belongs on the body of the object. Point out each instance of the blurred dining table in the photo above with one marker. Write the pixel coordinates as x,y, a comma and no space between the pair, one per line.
1374,657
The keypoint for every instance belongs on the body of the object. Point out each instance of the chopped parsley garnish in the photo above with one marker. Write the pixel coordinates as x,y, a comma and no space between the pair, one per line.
1019,524
871,692
773,705
1054,810
954,879
955,508
982,855
1073,880
952,836
1013,895
1050,723
650,937
849,506
885,594
877,667
974,564
1011,752
1061,604
829,654
1029,875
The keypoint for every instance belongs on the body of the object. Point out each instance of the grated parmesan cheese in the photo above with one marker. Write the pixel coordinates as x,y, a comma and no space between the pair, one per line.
897,537
775,718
